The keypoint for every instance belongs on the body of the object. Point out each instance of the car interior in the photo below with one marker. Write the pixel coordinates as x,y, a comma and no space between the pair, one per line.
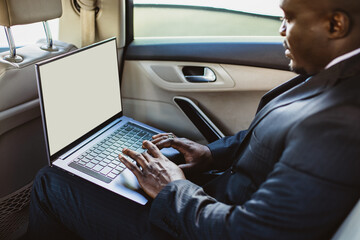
199,87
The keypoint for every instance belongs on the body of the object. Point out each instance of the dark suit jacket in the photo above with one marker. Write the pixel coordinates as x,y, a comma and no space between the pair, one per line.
296,175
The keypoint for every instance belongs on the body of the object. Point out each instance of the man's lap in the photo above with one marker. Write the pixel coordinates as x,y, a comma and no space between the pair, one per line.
60,201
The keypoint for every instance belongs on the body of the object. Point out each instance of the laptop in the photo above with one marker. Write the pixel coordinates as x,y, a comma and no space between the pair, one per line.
85,130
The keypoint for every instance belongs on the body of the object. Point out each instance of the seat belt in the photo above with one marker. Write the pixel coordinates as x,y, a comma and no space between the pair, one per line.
87,21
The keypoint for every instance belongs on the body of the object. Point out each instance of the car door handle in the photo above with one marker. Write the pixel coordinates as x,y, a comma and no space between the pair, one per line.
198,74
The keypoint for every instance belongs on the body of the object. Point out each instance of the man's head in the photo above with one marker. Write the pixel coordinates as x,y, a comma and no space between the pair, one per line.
317,31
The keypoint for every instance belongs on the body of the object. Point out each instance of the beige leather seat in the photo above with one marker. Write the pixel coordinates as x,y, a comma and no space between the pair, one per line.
22,148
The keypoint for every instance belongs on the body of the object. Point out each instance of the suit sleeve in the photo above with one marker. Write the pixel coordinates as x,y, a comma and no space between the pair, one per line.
225,149
309,192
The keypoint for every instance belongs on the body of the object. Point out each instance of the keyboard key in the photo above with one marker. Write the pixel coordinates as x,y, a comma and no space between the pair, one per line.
106,152
148,136
106,170
132,148
106,160
89,165
96,152
98,168
82,163
103,164
112,175
137,145
117,151
101,148
116,162
120,167
90,172
112,165
117,172
136,138
95,161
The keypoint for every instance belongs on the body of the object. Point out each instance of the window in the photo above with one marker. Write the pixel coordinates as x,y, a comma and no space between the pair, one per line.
27,34
196,18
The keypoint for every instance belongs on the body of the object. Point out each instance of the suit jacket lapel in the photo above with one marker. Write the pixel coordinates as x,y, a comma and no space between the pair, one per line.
280,89
295,90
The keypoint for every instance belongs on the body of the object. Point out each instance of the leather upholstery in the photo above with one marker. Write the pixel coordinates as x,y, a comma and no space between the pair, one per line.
20,115
22,145
12,75
15,12
18,85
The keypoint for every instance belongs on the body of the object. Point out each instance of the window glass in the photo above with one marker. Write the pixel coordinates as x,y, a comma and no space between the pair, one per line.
28,34
180,18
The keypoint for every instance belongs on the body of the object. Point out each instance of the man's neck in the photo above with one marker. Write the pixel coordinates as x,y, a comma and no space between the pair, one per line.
343,57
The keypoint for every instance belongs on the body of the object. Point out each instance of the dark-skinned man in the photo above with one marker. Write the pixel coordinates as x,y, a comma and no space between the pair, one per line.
292,175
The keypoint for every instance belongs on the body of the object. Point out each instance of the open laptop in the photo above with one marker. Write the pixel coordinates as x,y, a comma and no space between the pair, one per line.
84,127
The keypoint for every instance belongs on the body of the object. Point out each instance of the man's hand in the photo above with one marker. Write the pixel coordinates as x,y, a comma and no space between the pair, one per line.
197,157
155,170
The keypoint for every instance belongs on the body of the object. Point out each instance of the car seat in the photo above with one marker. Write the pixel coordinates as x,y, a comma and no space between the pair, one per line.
22,146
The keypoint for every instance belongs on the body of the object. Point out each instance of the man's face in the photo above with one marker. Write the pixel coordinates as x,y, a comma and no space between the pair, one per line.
305,35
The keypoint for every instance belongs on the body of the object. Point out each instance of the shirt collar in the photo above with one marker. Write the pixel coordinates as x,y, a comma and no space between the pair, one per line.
343,57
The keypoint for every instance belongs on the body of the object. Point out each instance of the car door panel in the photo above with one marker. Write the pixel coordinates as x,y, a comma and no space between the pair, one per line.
230,102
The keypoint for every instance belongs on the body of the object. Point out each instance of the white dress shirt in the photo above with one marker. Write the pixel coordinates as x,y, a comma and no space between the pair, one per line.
343,57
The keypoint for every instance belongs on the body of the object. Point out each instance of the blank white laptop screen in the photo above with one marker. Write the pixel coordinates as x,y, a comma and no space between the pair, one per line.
80,92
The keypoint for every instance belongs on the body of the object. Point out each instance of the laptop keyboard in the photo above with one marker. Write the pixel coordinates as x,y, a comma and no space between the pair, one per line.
102,162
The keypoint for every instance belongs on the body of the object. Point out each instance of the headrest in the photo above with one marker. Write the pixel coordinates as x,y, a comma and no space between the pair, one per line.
15,12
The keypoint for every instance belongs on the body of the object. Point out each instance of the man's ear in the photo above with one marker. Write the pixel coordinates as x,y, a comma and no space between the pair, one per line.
339,25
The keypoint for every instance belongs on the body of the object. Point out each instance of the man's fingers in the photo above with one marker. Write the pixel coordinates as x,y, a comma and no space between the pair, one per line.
152,149
159,135
163,143
147,156
180,144
167,135
162,136
132,167
139,158
159,139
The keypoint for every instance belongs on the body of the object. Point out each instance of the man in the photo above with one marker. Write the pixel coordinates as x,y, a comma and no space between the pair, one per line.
292,175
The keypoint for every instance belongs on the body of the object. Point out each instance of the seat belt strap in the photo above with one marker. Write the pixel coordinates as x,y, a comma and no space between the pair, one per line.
87,21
